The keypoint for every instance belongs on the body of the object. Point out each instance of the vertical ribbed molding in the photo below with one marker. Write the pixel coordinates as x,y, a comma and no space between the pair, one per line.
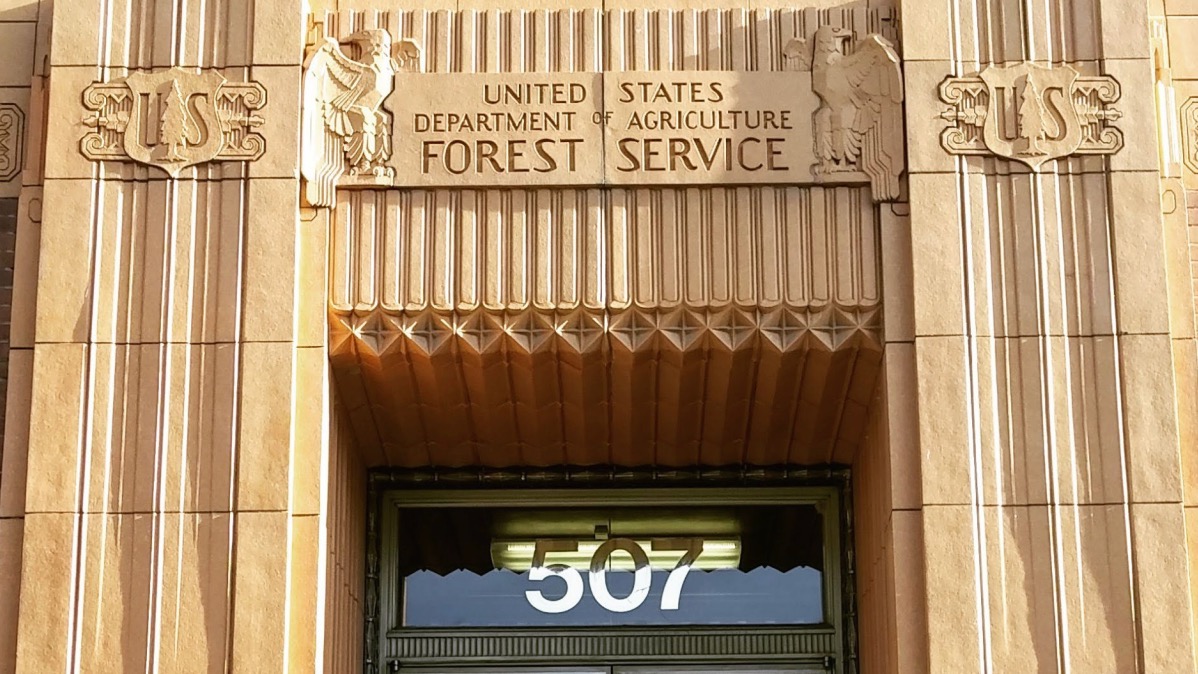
344,604
1051,499
176,434
1174,35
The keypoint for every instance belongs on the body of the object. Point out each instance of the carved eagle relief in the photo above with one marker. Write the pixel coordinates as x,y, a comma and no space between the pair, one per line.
859,126
345,128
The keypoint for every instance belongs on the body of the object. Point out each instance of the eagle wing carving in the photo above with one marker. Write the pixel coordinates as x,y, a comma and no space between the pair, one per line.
334,86
875,138
859,126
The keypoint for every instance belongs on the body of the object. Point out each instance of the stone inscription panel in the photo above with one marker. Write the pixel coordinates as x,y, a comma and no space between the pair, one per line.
593,98
514,129
630,128
708,128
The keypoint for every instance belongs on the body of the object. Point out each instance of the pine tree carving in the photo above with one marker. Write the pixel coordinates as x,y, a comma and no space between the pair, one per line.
1032,119
173,132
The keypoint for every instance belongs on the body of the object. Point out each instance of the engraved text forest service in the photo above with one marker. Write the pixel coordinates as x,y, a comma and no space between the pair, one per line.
831,115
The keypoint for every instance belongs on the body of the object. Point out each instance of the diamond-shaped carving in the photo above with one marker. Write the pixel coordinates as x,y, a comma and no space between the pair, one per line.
784,329
478,331
581,331
375,333
733,328
341,335
529,330
821,328
427,332
844,327
870,321
682,328
633,329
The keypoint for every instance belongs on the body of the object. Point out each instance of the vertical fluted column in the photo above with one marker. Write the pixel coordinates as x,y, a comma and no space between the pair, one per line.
176,440
1048,427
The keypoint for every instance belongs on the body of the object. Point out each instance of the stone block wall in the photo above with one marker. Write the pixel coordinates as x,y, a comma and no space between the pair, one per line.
24,45
888,538
1175,33
1047,340
160,496
181,491
1192,241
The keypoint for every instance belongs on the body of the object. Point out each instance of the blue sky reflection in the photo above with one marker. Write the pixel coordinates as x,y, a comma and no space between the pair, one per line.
763,596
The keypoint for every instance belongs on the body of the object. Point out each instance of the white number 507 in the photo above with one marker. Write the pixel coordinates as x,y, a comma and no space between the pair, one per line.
690,547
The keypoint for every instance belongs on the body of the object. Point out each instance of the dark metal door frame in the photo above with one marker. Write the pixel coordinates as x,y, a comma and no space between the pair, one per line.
811,649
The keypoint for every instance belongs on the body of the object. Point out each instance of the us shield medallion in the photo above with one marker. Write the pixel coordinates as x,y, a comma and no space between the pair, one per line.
1031,117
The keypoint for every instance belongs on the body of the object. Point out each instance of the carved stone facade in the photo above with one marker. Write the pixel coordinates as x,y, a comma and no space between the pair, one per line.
946,253
737,283
173,119
847,80
347,132
859,123
12,141
1189,131
666,283
1031,113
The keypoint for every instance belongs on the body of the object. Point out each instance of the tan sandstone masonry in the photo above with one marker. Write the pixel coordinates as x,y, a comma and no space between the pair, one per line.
172,506
572,324
1174,26
1048,448
24,48
1053,365
735,290
190,477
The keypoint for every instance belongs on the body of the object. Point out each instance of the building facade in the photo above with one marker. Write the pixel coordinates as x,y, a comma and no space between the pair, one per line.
577,336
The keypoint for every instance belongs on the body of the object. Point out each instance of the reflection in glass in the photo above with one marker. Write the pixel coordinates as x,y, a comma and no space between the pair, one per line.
508,567
762,596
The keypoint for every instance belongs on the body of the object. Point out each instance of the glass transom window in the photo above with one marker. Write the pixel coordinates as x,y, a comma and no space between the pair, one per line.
497,566
571,577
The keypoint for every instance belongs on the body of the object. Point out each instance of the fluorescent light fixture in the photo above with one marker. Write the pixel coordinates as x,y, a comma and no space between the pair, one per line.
517,555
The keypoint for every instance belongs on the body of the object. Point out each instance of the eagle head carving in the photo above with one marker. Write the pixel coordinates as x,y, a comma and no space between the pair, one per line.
373,42
830,40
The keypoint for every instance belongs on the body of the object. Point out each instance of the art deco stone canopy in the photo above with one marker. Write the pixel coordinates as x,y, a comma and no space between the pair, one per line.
279,268
639,298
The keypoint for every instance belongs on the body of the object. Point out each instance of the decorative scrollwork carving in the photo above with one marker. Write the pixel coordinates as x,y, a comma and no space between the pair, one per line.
173,119
12,141
1030,113
1189,133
